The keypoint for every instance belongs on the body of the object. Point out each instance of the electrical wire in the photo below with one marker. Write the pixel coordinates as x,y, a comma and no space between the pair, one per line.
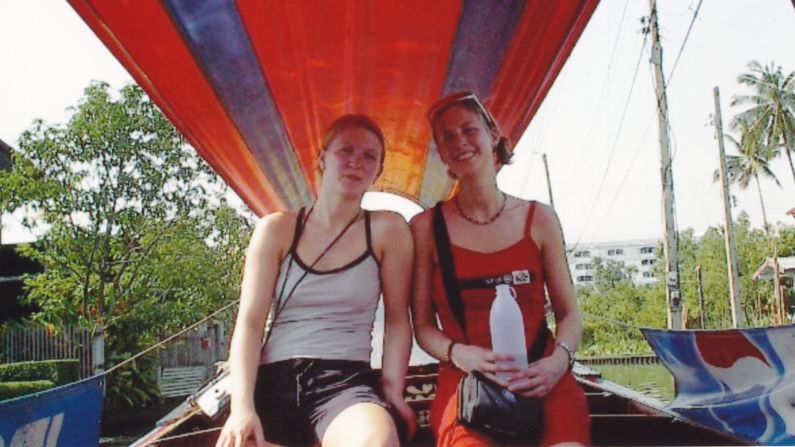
684,42
615,142
600,102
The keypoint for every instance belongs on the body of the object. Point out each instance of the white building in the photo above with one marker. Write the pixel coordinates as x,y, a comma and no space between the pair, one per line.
638,253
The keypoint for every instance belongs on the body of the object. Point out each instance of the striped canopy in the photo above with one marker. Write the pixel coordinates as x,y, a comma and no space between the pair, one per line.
252,84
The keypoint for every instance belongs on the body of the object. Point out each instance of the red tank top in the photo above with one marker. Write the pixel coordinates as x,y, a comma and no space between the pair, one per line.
478,273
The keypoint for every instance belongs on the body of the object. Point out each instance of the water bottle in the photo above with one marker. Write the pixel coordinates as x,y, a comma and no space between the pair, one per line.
507,328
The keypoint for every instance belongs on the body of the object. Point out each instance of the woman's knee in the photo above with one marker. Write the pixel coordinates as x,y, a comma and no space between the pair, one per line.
363,424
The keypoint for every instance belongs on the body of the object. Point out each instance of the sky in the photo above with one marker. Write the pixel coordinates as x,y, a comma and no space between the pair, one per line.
598,124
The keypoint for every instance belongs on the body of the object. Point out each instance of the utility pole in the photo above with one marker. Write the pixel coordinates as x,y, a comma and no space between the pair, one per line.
779,289
549,182
738,318
673,292
701,297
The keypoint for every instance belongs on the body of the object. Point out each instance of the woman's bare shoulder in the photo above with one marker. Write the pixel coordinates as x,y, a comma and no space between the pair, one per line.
277,222
388,227
274,230
545,214
422,222
388,220
546,226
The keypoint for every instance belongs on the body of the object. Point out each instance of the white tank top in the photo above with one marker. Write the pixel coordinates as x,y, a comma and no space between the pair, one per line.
330,314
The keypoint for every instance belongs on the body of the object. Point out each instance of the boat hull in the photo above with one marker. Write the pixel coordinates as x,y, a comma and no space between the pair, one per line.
619,416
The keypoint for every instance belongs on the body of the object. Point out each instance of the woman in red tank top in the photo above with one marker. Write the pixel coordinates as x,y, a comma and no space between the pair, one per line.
494,239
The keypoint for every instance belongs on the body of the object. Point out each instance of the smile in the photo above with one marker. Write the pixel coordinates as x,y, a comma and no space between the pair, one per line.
464,156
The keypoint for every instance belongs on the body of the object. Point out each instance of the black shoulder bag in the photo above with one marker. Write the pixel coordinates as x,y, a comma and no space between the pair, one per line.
483,404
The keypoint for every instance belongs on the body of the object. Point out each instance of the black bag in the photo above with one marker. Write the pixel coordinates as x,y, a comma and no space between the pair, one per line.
488,407
483,404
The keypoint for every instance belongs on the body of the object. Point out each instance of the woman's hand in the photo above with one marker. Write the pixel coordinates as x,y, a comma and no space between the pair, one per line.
470,358
538,379
408,420
242,429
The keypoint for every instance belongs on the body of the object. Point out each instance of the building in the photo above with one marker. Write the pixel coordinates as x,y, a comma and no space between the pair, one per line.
5,164
13,269
640,254
786,269
5,155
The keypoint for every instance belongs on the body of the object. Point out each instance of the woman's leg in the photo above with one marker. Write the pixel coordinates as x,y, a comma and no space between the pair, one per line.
362,424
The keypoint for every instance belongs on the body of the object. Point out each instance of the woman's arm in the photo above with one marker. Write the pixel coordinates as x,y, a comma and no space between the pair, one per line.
265,249
393,241
430,338
539,378
560,288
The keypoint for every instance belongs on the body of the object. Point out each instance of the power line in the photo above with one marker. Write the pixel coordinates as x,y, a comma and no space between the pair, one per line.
626,175
684,42
615,141
670,77
599,104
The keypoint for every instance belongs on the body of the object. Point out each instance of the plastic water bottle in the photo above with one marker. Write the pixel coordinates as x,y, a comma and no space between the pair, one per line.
507,328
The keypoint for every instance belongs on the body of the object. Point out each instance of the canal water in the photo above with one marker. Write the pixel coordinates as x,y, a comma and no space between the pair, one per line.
652,380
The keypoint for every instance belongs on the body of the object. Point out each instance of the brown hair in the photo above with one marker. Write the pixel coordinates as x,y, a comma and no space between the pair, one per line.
358,121
470,102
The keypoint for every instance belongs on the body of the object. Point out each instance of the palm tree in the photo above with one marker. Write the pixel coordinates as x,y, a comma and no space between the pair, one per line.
752,162
772,111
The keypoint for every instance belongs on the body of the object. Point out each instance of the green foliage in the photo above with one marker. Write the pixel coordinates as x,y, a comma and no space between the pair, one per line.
613,307
752,163
754,246
59,372
770,116
611,303
10,390
135,385
139,239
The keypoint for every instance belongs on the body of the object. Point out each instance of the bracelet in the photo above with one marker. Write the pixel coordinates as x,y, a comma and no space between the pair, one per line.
449,357
569,352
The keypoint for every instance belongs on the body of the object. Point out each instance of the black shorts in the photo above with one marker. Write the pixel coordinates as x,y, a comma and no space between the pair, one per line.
297,399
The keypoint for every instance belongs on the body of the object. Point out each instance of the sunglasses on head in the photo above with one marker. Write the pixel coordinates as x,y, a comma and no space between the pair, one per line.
460,98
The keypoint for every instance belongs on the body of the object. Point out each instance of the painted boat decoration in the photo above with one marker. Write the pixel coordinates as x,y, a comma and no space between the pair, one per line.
252,84
739,381
68,415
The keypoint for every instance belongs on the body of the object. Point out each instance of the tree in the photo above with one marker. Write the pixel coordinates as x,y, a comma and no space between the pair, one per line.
139,238
614,309
753,160
772,107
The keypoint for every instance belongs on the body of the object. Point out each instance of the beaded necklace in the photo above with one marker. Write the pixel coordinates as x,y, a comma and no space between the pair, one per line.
478,222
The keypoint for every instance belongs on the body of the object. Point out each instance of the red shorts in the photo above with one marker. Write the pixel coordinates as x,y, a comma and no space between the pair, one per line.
566,416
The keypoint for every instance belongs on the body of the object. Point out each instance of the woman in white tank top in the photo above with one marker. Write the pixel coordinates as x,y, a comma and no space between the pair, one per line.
318,273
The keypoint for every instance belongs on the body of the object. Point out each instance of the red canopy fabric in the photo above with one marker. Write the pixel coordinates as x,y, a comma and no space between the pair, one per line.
252,84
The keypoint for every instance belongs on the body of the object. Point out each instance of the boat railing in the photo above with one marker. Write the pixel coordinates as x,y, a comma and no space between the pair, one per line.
633,359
